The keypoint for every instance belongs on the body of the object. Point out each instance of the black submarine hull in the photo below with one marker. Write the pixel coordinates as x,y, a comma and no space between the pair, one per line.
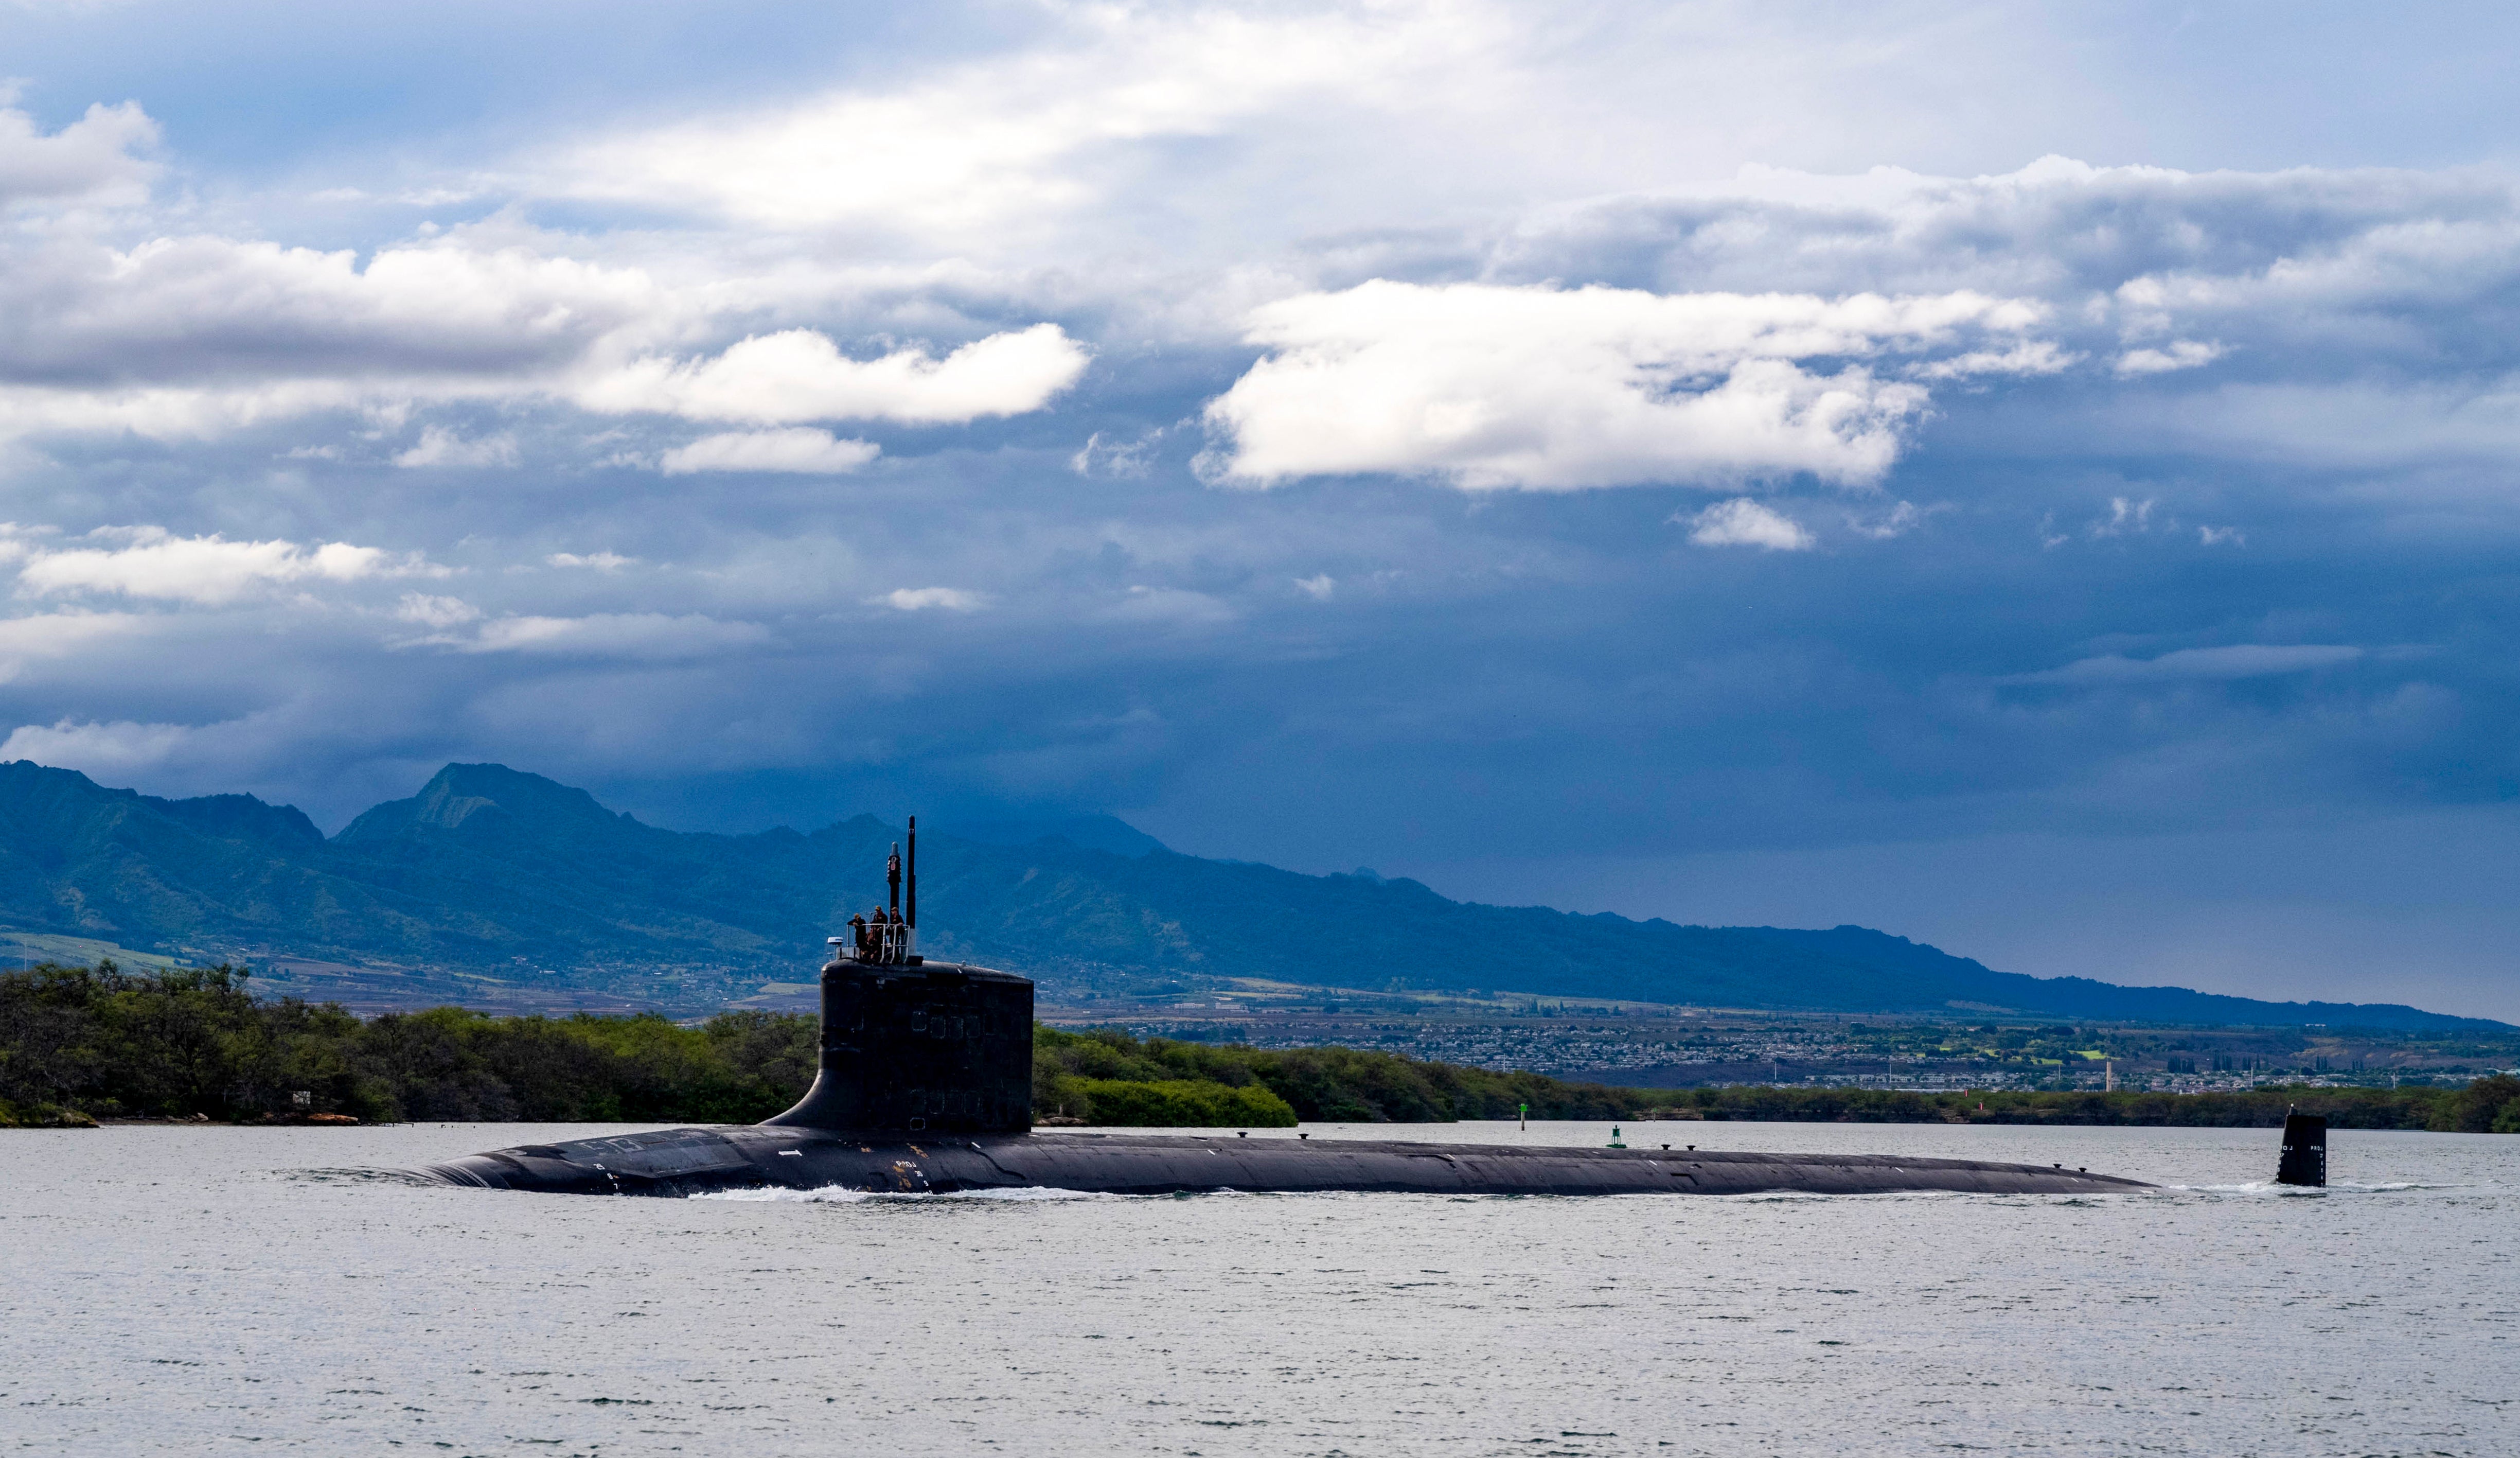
698,1161
924,1087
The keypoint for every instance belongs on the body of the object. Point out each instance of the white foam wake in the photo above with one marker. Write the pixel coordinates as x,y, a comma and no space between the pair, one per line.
2267,1186
844,1195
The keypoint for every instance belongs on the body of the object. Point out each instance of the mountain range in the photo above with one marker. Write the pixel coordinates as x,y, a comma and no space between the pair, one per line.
501,873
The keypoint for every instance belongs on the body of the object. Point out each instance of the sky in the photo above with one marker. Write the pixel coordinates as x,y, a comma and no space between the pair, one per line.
2040,480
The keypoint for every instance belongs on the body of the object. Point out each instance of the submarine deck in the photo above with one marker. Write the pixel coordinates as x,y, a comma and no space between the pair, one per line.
695,1160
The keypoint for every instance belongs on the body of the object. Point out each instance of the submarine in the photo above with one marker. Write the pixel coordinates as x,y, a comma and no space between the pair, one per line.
924,1087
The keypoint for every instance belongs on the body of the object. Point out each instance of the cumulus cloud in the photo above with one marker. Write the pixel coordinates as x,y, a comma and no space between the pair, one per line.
1744,522
206,570
90,160
118,747
121,750
917,599
621,635
603,562
424,317
798,375
2326,300
2135,255
799,450
2236,660
192,337
1549,389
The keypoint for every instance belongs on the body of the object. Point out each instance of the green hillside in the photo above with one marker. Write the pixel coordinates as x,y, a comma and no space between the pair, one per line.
490,869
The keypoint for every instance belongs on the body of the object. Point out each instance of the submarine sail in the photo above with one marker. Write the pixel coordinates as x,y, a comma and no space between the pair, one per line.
924,1084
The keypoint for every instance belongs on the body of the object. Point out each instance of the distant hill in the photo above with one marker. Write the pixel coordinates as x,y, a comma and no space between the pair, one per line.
493,870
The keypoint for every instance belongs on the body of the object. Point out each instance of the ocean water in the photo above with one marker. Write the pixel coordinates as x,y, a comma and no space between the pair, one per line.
211,1290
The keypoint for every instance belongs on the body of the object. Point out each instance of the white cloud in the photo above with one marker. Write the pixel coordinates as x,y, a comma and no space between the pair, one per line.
165,413
972,150
193,337
1903,517
89,160
440,447
2372,423
1319,588
2182,354
2238,661
1550,389
2029,357
799,450
1744,522
798,375
1126,459
207,570
601,562
436,318
951,599
118,747
2127,518
47,634
2341,290
623,635
436,612
58,635
1177,605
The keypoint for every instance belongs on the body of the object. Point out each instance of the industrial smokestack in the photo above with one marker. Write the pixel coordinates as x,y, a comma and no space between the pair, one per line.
914,873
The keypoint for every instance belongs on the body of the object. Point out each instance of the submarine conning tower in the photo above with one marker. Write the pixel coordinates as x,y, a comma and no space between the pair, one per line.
914,1046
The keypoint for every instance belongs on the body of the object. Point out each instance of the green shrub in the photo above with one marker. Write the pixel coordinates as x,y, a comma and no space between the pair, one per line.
2488,1105
1335,1085
42,1117
100,1040
1185,1104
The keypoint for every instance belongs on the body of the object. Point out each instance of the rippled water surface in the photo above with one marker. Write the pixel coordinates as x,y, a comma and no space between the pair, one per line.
188,1291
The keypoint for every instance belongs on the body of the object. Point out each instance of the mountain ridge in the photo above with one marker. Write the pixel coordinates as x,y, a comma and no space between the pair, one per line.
489,868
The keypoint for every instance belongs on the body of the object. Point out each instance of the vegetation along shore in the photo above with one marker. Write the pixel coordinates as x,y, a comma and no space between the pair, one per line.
80,1044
